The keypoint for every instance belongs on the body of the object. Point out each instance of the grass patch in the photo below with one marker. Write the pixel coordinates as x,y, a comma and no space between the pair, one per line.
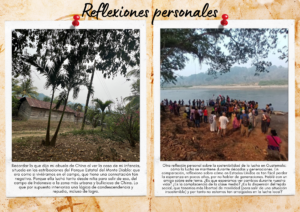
85,132
97,132
273,82
21,141
35,125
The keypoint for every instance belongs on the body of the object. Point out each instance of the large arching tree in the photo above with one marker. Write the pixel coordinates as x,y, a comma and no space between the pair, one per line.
72,80
218,48
115,52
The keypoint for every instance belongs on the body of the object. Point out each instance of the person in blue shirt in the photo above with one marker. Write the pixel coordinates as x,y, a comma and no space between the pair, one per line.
244,122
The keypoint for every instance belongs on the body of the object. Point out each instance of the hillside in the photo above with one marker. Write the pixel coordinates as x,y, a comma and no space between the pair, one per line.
277,75
41,96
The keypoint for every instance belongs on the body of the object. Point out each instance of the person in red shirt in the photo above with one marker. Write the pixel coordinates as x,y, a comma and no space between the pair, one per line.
205,115
273,141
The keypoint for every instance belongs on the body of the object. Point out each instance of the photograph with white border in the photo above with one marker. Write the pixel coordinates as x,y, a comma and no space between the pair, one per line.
224,108
75,108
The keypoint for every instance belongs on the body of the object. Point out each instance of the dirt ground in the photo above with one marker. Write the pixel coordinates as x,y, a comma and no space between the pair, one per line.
179,142
41,125
70,146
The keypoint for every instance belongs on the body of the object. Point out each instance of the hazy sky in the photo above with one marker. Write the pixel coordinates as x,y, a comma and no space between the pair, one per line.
193,67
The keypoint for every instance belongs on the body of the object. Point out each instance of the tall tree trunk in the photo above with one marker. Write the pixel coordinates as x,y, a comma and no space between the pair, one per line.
102,120
53,140
87,100
47,142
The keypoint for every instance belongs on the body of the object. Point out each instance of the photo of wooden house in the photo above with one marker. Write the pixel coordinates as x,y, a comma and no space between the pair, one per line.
98,116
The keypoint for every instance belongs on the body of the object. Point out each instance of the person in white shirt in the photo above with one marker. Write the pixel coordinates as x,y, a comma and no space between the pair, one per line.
187,109
223,124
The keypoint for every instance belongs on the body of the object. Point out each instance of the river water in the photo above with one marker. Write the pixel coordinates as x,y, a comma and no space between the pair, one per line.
278,97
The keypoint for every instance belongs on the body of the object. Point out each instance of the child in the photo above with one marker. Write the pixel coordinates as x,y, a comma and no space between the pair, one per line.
184,115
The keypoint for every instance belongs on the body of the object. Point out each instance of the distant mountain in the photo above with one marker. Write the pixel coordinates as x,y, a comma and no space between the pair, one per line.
41,96
237,75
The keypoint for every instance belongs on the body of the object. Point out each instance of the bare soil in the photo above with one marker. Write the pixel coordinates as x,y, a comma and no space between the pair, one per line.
26,145
181,141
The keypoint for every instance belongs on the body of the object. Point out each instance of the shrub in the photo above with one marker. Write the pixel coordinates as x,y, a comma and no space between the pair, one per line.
125,123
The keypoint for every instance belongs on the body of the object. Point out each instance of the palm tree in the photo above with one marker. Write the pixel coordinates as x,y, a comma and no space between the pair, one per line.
134,99
26,89
53,76
15,84
93,116
102,106
72,80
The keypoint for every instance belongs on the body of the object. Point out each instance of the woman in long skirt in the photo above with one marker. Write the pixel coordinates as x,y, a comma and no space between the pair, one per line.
264,123
213,125
235,122
192,118
250,119
253,116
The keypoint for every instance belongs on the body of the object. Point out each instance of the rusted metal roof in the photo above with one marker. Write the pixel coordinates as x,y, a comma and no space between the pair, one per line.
45,105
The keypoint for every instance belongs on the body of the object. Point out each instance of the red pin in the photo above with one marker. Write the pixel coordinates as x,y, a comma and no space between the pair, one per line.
76,22
224,16
224,22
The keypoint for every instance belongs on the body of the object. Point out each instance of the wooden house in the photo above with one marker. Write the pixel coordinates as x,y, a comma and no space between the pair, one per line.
39,110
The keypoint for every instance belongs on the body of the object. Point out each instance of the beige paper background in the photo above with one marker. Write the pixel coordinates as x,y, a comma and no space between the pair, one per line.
44,10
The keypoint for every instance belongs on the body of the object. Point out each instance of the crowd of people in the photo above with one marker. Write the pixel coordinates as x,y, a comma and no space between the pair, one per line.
241,114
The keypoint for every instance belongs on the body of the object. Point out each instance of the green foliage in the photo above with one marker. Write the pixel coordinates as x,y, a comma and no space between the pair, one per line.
99,105
93,115
25,89
124,122
219,48
47,99
134,98
19,43
21,141
117,48
76,106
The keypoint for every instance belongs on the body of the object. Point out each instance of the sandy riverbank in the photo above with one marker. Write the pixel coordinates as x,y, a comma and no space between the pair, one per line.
241,86
229,87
